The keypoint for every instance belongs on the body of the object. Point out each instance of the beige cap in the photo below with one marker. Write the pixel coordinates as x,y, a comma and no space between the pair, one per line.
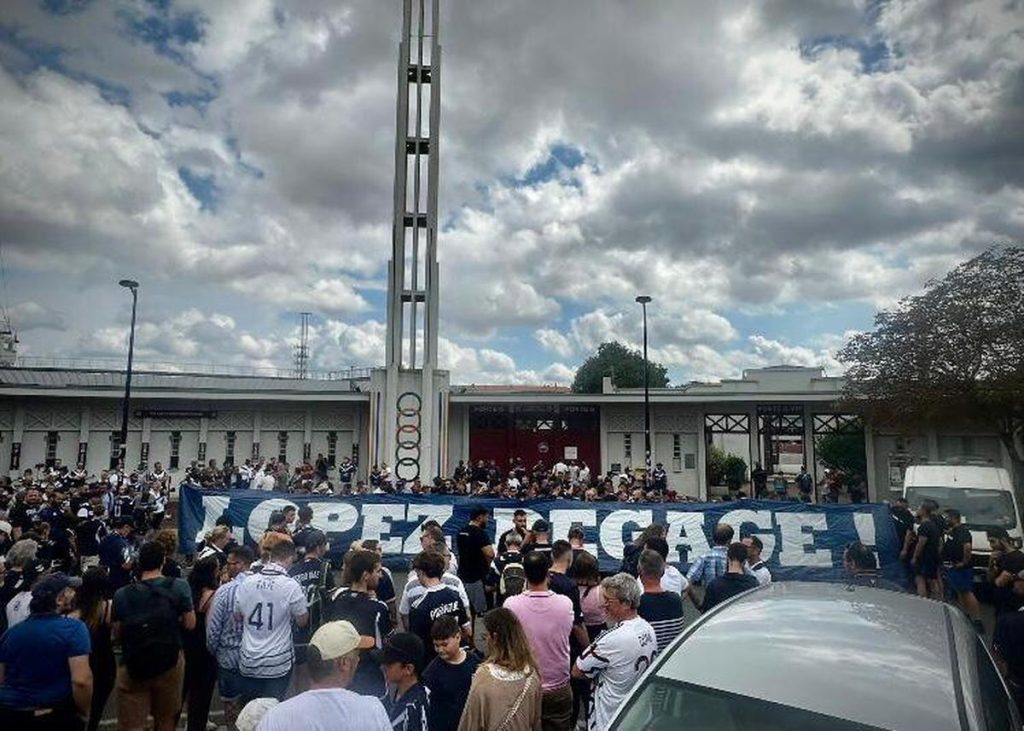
336,639
253,712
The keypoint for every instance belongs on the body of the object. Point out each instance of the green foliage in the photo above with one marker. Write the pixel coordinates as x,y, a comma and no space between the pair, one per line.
954,353
625,366
725,468
844,452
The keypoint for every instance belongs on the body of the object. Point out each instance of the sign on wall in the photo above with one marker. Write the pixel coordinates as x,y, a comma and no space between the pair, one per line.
800,541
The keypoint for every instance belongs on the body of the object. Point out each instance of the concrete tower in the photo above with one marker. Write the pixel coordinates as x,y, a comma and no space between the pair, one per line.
408,412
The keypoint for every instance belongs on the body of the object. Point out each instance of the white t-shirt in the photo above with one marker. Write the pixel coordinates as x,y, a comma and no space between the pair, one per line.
328,709
414,590
614,661
761,572
672,580
266,603
17,608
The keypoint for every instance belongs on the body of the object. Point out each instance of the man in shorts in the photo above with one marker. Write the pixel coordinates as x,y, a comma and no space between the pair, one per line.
476,552
956,561
925,561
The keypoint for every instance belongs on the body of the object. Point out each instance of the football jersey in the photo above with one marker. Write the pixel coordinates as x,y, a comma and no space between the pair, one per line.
614,661
371,618
414,590
437,601
266,602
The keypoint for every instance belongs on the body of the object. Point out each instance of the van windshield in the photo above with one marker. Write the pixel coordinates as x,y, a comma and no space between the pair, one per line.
979,508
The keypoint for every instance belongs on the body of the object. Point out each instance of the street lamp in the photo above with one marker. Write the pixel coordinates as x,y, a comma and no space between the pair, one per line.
123,447
643,299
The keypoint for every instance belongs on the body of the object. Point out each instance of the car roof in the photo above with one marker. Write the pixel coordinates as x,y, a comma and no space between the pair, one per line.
877,657
986,477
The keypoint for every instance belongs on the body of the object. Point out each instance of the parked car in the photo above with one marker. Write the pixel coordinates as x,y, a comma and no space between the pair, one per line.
817,657
983,493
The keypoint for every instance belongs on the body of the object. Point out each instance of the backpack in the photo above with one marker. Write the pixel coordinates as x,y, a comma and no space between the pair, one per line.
149,638
512,580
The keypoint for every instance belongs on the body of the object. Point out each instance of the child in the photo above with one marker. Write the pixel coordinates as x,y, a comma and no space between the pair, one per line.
407,700
448,676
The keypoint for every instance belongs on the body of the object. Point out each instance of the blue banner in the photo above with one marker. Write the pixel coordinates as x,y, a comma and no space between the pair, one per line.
801,542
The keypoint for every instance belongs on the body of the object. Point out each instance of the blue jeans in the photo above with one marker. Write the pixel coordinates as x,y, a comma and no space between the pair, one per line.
265,687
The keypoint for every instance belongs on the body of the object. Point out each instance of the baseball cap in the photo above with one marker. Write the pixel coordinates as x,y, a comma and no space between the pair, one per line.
541,526
403,647
5,527
250,716
337,639
50,586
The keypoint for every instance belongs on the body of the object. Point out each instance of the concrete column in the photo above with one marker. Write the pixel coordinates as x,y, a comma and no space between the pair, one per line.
602,468
307,435
810,458
871,471
256,420
702,458
204,426
755,446
83,436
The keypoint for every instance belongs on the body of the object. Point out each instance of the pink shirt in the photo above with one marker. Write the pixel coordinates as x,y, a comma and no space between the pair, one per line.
592,603
547,620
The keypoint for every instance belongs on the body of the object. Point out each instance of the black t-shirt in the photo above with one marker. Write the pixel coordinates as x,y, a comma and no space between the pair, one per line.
531,547
438,601
385,586
930,529
953,549
449,688
562,584
314,576
88,535
371,619
22,516
726,586
904,521
470,542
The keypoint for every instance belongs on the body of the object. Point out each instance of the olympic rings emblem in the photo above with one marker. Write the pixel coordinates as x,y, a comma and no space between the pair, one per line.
407,448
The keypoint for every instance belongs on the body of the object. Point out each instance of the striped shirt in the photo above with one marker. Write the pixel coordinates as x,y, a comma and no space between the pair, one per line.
664,612
223,628
266,603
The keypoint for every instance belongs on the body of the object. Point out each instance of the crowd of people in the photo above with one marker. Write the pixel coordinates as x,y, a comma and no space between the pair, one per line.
520,630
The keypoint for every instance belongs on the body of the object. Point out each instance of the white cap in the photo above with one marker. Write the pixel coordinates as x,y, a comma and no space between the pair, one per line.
5,527
253,713
337,639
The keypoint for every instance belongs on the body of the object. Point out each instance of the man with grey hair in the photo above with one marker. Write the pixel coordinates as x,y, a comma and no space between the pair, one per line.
619,656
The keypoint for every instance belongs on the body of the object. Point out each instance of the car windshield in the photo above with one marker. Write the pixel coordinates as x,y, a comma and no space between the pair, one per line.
978,507
669,705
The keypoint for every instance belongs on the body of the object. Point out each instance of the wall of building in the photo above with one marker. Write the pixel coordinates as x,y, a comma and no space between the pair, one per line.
198,428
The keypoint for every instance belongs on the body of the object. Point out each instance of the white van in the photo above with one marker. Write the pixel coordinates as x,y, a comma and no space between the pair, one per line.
983,493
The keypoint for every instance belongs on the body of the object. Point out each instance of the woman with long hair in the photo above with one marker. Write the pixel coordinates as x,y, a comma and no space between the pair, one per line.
505,693
588,580
200,665
94,600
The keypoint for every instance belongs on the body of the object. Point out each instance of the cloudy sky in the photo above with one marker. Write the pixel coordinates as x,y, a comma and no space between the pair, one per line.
771,172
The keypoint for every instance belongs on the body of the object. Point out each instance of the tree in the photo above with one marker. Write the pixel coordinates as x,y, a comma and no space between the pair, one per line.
953,353
844,451
625,366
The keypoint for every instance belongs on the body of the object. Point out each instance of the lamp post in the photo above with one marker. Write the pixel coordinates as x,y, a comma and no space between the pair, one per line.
643,299
123,446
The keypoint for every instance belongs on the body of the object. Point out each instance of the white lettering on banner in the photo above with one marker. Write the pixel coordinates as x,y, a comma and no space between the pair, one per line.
334,517
440,513
686,529
762,519
259,518
865,525
563,520
796,540
376,527
611,529
213,507
503,521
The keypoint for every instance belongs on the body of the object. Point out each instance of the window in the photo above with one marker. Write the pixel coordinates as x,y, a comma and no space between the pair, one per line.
115,449
627,448
332,447
52,438
282,446
667,705
229,448
175,458
690,460
677,450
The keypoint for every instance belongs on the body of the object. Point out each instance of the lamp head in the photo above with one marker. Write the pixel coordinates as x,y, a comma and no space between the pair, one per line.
129,283
643,299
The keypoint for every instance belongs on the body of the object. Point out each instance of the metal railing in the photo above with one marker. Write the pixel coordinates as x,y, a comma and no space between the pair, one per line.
204,369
